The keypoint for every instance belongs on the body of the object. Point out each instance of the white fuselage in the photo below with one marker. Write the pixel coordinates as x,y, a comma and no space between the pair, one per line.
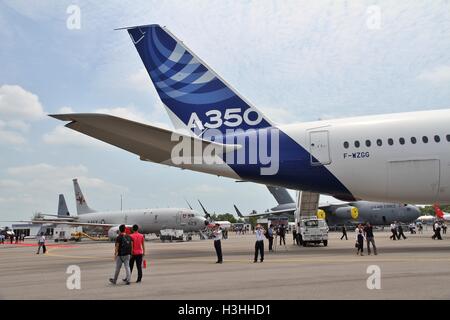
409,173
149,220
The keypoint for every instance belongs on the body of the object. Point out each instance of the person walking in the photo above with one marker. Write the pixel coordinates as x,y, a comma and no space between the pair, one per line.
282,234
122,254
294,236
437,231
217,233
344,232
400,232
359,240
394,231
270,237
368,233
41,244
137,252
259,244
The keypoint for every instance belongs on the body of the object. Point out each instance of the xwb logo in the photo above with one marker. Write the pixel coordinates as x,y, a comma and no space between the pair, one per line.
374,280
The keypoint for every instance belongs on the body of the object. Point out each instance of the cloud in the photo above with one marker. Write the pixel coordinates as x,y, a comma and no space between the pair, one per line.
10,137
61,135
36,186
17,107
140,80
65,110
438,75
17,103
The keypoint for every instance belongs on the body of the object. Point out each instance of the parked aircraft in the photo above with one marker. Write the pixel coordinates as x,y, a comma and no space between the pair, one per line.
149,220
398,157
344,213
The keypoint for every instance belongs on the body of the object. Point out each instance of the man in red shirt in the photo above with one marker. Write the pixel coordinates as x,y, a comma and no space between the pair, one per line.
138,251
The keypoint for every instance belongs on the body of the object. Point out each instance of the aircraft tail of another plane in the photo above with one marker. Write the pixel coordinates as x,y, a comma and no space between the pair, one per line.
437,210
82,206
195,97
281,195
238,212
62,207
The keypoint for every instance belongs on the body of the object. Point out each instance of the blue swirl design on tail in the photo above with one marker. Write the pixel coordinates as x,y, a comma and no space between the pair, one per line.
184,83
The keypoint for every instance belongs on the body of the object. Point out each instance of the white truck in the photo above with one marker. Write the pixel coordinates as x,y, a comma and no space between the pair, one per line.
313,230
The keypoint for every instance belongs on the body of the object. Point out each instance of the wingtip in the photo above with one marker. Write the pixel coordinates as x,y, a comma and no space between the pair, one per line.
63,117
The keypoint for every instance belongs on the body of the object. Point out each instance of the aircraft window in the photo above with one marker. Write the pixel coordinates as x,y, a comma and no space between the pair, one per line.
425,139
413,140
368,143
437,138
448,137
357,144
346,145
401,140
379,142
390,141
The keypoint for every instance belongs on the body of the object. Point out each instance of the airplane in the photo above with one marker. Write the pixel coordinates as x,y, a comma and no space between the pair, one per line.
223,224
375,213
399,157
148,220
439,215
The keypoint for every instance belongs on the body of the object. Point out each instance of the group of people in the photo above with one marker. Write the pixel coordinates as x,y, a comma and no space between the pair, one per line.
439,226
12,238
364,232
260,234
397,231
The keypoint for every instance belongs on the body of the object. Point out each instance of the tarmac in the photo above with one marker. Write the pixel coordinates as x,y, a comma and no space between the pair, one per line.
415,268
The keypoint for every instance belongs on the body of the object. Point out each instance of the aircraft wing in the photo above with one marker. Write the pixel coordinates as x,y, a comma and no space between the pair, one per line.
148,142
264,214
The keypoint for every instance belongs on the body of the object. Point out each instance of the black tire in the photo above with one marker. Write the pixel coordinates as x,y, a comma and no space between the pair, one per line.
305,243
325,243
56,240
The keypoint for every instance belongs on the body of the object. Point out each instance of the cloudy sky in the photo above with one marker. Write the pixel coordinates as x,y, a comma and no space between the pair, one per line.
294,60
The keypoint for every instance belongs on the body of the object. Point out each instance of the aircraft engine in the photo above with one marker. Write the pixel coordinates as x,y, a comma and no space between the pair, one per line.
321,214
114,232
347,212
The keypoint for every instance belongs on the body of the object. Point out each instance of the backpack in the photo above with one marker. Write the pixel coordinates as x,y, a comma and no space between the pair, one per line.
124,245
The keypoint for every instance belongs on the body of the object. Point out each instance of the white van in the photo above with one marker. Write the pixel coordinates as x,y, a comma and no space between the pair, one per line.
313,230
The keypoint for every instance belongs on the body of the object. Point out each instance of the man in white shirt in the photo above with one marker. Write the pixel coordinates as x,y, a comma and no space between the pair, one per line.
41,243
259,244
394,231
217,242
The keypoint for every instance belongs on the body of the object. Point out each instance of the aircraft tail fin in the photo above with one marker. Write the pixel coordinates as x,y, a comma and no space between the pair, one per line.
437,210
281,195
82,206
195,97
240,215
62,207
